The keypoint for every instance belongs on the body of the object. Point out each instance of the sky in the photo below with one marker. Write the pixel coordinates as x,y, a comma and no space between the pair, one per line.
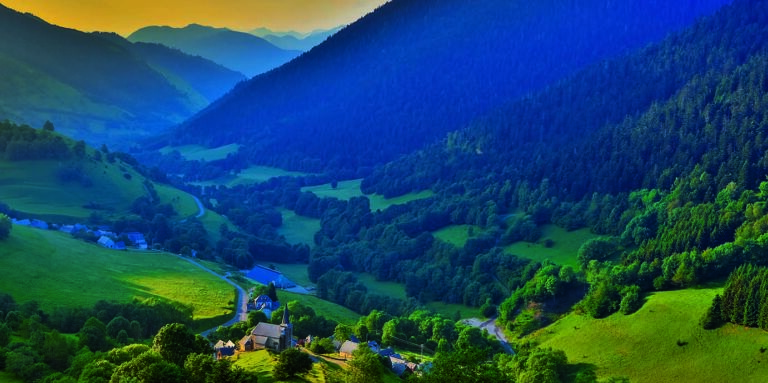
126,16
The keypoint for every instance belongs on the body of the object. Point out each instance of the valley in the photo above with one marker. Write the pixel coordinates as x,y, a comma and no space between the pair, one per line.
491,191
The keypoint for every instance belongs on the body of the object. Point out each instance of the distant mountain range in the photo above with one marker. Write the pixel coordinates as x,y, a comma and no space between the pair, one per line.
240,51
98,86
293,40
409,72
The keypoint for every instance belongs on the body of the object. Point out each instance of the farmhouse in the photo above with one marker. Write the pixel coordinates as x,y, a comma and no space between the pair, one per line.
224,349
137,239
270,336
265,304
106,242
347,348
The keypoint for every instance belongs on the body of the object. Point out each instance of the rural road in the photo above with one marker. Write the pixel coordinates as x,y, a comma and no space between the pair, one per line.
200,208
241,312
492,328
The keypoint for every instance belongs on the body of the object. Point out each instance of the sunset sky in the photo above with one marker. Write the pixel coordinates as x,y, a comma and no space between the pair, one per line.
126,16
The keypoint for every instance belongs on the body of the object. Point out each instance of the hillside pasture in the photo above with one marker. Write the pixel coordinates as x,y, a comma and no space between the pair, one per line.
564,249
662,342
457,235
251,175
201,153
298,229
57,270
345,190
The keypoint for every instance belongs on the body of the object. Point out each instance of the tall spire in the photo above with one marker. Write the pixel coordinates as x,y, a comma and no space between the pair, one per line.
286,316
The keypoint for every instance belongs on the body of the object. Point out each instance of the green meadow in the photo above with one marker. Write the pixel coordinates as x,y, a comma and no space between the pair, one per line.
457,235
330,310
250,175
345,190
448,310
201,153
563,251
389,289
296,272
32,187
297,228
662,342
56,270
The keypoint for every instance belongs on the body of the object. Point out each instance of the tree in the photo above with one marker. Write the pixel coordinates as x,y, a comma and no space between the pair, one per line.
463,366
599,249
93,335
174,342
48,126
342,332
271,292
256,317
5,226
5,334
365,366
148,367
713,318
292,362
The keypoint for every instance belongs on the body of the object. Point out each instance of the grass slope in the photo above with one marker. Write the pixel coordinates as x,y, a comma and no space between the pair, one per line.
32,187
563,252
345,190
250,175
457,235
643,346
201,153
297,228
56,270
330,310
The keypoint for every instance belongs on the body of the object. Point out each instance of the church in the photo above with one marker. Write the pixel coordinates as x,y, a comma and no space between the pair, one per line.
270,336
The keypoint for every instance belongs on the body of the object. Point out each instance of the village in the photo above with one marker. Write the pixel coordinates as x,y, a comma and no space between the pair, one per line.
277,338
104,237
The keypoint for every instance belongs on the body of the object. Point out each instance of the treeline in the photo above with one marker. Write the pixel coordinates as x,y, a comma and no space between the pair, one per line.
744,300
22,142
33,347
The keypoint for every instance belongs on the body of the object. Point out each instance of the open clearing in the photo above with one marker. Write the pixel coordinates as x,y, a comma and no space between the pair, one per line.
345,190
457,235
644,346
57,270
201,153
563,252
250,175
298,229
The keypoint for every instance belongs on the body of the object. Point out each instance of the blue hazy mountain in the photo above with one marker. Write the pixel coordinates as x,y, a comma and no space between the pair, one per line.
293,40
411,71
240,51
98,86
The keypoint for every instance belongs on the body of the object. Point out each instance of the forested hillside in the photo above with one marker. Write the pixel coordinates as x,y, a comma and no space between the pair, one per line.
411,71
97,86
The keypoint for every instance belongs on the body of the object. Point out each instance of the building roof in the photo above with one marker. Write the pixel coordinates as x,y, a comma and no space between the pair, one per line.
267,329
348,347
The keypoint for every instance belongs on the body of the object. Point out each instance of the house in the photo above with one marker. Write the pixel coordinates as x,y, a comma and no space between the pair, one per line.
403,366
270,336
387,352
21,222
224,349
38,224
69,229
137,239
373,346
265,304
347,348
120,245
106,242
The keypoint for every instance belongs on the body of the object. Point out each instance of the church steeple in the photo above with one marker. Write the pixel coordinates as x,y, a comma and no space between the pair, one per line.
286,317
286,331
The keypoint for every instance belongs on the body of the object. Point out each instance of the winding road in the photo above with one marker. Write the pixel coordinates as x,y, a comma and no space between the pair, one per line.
241,312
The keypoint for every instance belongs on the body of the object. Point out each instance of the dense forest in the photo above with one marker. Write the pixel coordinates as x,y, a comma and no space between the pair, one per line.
412,71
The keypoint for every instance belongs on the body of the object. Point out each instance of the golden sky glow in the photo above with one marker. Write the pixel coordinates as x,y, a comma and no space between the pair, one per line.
126,16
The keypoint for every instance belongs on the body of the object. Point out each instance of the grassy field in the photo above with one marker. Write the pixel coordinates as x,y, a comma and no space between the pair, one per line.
201,153
263,363
345,190
56,270
297,228
330,310
644,346
457,235
32,187
250,175
448,310
296,272
389,289
563,252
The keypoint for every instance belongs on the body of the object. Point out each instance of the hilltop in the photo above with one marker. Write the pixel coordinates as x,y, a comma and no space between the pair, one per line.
97,86
240,51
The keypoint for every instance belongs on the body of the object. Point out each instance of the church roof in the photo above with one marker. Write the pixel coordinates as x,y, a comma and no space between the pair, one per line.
267,329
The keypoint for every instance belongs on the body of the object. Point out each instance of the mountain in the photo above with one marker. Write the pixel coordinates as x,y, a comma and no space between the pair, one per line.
97,86
409,72
292,40
239,51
